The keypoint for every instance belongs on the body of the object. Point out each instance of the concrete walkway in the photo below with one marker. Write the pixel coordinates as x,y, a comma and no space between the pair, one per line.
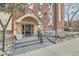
67,48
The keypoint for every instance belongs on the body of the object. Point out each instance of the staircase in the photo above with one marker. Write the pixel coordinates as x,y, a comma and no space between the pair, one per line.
28,44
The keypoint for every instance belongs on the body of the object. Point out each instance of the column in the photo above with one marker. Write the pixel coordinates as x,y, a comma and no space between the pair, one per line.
45,16
58,15
35,9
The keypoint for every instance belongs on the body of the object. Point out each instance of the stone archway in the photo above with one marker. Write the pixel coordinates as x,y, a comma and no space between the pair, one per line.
27,25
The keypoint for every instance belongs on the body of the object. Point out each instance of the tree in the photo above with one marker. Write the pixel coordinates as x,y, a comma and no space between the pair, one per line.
71,12
8,8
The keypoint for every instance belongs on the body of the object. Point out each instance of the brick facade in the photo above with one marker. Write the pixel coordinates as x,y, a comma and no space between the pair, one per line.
35,9
15,16
60,24
45,16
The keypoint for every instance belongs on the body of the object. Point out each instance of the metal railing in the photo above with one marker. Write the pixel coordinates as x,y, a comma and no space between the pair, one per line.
41,36
49,38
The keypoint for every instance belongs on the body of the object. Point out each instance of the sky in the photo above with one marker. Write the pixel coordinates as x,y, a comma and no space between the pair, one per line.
73,8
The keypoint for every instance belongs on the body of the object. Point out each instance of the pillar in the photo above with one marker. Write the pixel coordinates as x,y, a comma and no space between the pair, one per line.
45,16
35,9
58,9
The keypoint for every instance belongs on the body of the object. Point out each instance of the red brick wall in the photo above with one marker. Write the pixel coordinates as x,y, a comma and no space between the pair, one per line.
44,12
53,13
45,16
59,24
15,16
35,9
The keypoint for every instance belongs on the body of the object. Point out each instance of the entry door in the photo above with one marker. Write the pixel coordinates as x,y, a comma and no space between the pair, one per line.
28,29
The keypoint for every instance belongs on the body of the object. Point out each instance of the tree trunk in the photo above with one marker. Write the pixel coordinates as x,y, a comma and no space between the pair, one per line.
69,24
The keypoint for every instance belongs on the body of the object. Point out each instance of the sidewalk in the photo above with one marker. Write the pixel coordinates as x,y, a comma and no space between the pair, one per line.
67,48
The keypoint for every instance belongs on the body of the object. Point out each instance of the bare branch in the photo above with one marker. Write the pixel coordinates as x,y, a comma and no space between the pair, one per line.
1,23
70,11
8,21
74,14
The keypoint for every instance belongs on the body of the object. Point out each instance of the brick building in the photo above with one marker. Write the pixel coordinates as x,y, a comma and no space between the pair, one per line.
36,16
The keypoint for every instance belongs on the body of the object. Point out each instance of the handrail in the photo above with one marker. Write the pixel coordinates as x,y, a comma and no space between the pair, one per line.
40,35
50,39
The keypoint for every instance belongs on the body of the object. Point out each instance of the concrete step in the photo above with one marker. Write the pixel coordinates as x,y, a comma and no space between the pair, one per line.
26,39
27,43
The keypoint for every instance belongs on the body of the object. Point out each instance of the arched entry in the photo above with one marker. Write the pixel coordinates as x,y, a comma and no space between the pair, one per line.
27,25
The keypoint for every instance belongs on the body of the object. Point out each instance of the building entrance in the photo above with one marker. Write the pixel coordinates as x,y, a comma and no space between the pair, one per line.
27,29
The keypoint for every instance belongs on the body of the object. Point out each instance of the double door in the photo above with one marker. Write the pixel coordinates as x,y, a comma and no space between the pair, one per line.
27,30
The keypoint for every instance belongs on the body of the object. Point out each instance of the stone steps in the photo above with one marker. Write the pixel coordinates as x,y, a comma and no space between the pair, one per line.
25,44
28,43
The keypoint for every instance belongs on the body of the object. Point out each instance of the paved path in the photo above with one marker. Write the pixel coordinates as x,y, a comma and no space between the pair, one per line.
67,48
29,44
